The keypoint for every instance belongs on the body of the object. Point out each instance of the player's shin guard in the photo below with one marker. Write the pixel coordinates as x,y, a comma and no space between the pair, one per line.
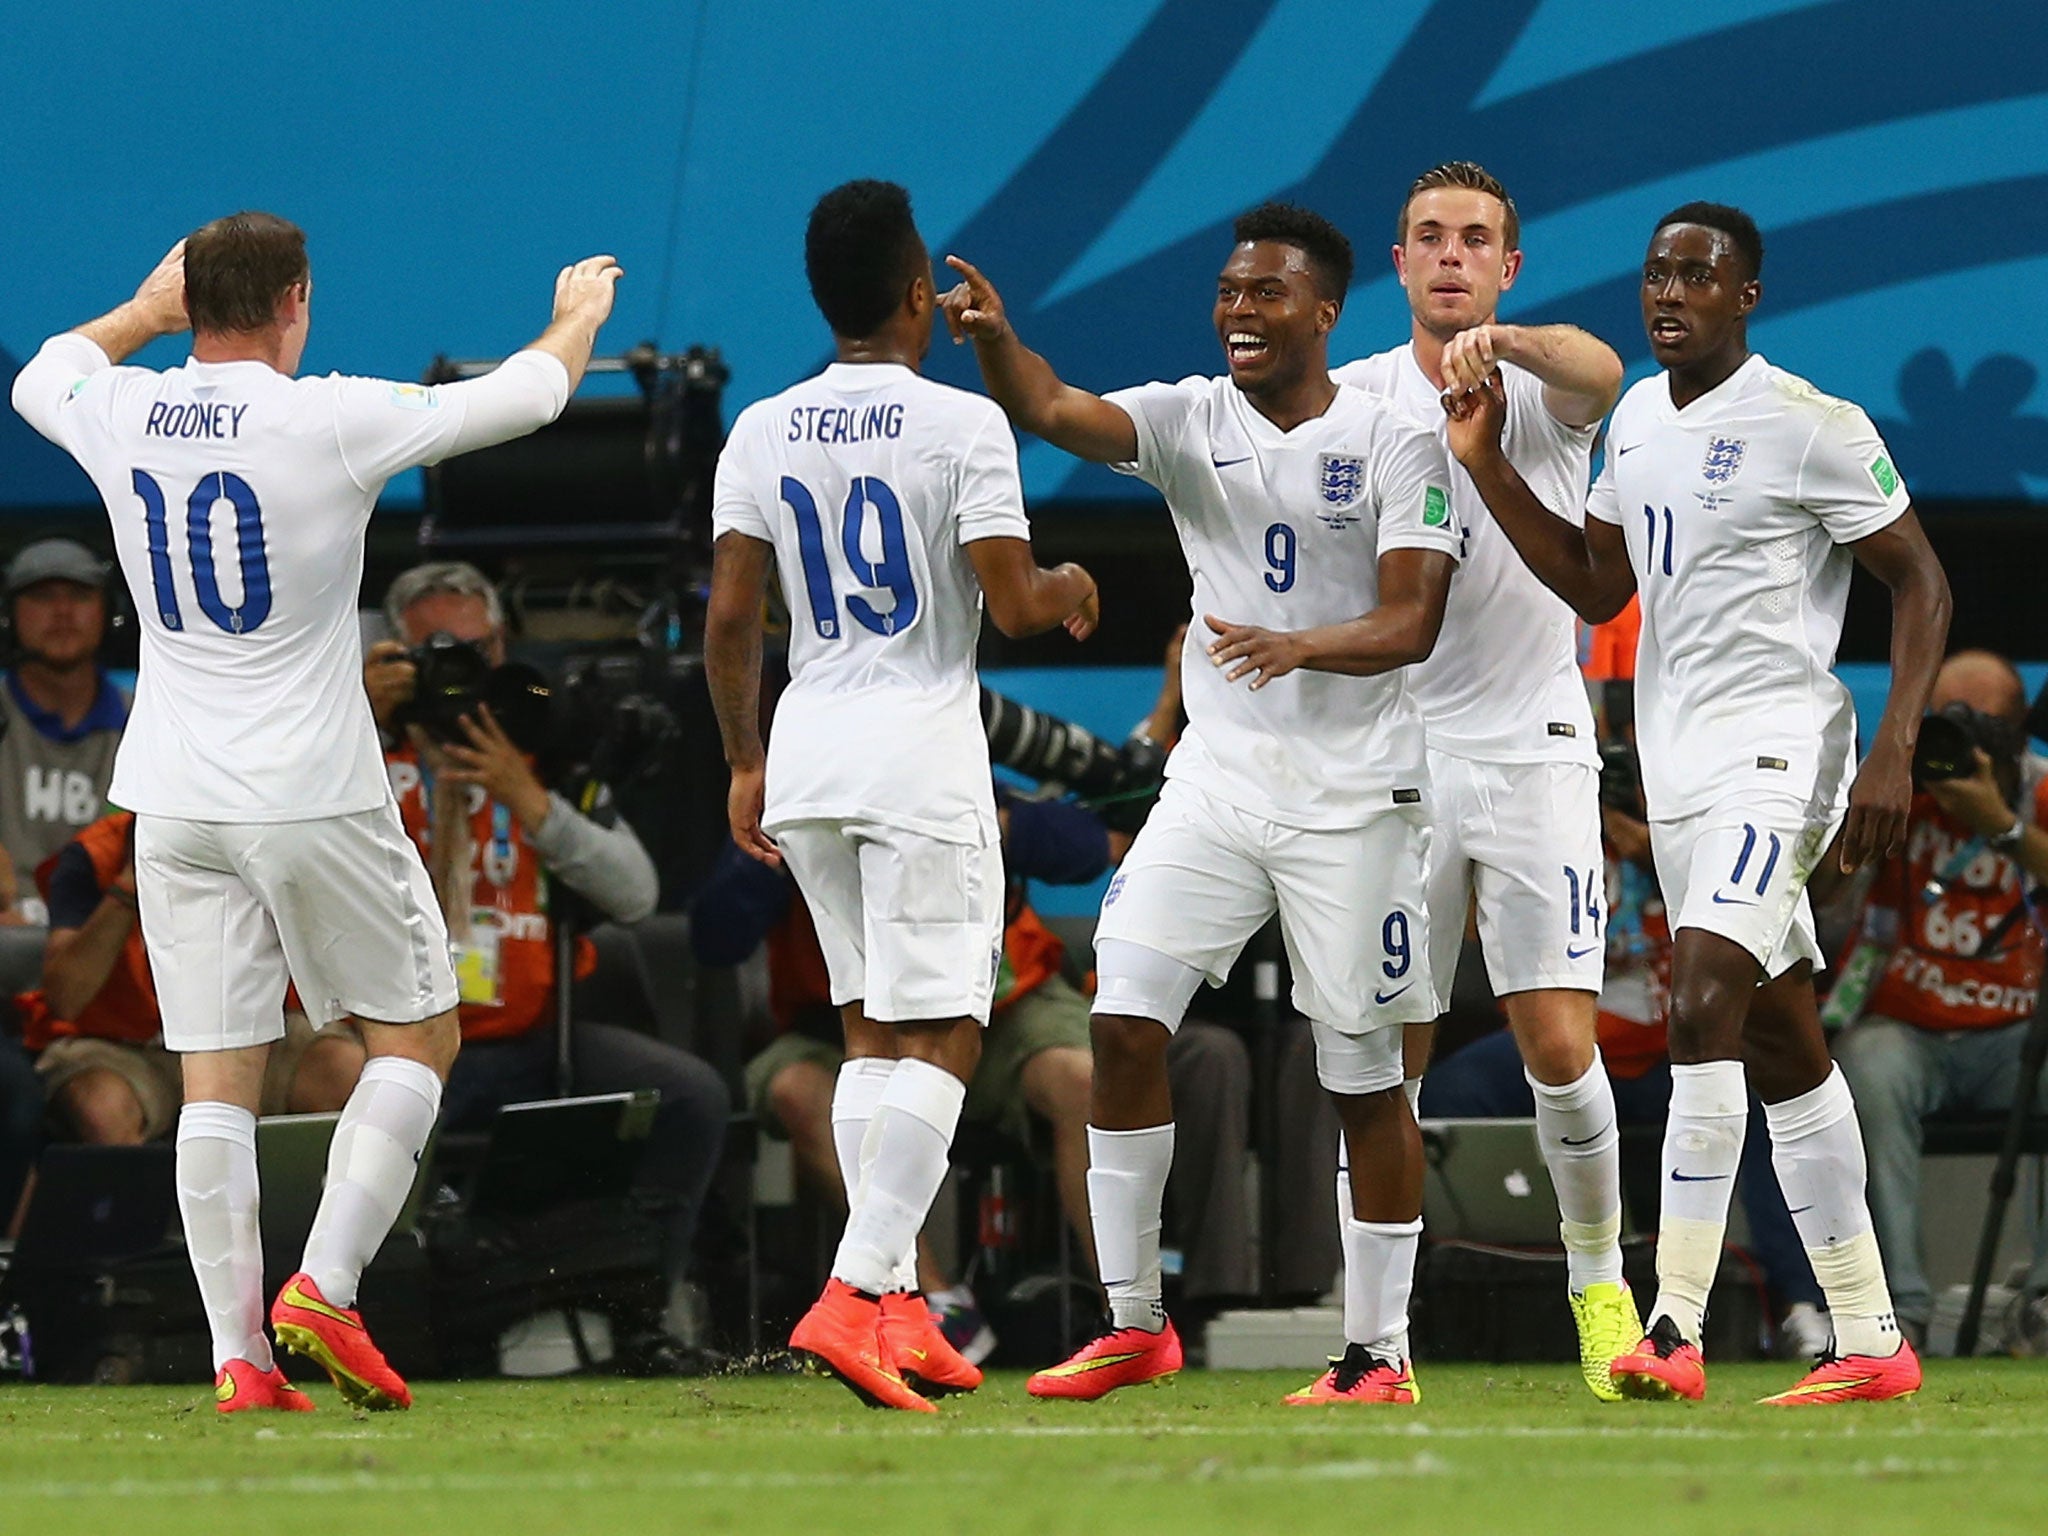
1702,1145
1126,1191
1582,1148
1817,1151
855,1096
371,1164
910,1134
217,1201
1379,1275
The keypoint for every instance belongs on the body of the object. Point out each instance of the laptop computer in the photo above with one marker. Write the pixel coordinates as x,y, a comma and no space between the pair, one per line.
1484,1181
552,1151
291,1161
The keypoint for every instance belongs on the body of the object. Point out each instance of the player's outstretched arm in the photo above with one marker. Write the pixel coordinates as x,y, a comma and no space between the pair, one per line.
157,309
1587,567
1899,556
732,668
1581,374
1024,384
1400,630
1024,598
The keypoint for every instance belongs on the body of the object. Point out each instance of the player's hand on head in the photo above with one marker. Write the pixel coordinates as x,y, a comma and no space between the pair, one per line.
972,307
744,803
1477,417
584,291
161,298
1878,802
1245,650
1468,359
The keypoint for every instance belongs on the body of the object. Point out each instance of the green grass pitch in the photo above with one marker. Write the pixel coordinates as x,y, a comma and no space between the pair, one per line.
1492,1450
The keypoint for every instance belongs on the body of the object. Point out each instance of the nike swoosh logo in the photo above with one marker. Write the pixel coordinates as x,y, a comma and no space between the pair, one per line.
1798,1210
1697,1178
1816,1388
1083,1367
915,1354
294,1297
1579,954
1730,901
1588,1141
1388,997
1624,452
1226,463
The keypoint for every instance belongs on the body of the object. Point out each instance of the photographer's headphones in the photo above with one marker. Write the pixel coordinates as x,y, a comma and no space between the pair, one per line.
61,559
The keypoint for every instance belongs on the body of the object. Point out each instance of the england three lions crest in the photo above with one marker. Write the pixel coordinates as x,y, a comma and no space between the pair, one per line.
1724,458
1342,482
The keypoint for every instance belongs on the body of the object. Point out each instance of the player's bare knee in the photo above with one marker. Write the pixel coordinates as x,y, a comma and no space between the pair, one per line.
433,1043
952,1045
1555,1032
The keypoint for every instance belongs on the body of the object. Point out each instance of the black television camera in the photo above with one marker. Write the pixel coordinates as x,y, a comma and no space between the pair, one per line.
1118,783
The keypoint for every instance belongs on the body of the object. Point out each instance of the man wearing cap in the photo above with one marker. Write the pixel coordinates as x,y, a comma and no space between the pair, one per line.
61,716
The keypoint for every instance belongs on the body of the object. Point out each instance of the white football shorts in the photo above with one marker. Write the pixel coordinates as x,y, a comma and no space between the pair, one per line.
1739,869
341,906
1523,841
911,926
1203,877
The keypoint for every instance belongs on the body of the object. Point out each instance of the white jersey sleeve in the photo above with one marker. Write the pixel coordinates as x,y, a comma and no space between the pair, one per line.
384,427
57,375
1601,501
989,496
1161,412
1846,478
1413,479
734,487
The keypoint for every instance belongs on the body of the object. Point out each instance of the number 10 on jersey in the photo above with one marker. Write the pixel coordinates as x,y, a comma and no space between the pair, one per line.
222,485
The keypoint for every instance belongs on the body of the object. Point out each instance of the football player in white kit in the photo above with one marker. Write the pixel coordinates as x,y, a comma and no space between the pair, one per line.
1512,761
1318,526
267,845
1737,498
890,506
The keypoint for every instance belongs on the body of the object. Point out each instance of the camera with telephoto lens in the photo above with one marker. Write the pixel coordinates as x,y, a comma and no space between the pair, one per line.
1118,783
1949,742
454,678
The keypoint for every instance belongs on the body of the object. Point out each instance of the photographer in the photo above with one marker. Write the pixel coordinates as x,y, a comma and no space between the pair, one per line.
61,716
1961,958
493,836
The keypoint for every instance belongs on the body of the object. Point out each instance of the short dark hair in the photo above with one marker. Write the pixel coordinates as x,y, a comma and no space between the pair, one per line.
1323,243
1473,177
861,250
1732,222
239,267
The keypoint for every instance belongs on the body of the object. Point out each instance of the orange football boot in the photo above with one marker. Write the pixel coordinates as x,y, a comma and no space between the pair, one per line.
1662,1367
1360,1377
334,1338
1854,1379
1118,1357
843,1330
923,1357
242,1386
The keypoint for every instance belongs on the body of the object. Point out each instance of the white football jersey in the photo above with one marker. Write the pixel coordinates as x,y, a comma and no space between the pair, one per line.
1285,530
870,480
1503,684
239,498
1736,510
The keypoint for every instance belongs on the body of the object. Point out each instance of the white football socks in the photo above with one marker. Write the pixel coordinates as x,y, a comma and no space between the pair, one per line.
855,1095
217,1199
1702,1146
1126,1192
371,1164
1817,1150
1582,1147
1379,1273
903,1162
